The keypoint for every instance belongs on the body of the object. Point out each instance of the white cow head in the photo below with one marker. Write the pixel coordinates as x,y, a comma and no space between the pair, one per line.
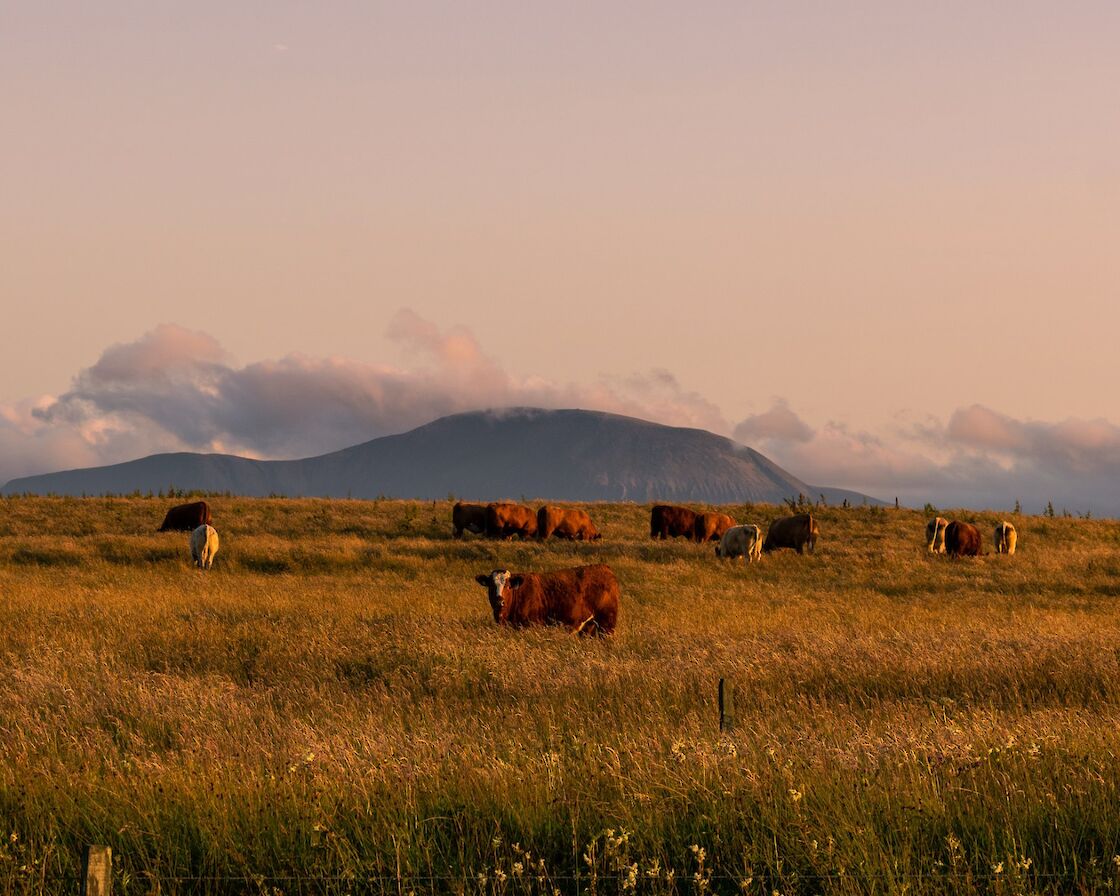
499,585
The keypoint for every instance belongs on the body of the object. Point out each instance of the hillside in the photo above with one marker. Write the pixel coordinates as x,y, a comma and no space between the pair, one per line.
571,455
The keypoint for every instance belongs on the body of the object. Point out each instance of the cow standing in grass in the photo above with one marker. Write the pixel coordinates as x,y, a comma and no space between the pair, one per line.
962,540
186,517
710,526
799,531
935,535
204,545
583,599
669,521
1005,538
741,541
570,523
504,520
468,518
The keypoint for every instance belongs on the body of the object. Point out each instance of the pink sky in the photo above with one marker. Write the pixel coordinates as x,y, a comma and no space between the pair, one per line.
878,217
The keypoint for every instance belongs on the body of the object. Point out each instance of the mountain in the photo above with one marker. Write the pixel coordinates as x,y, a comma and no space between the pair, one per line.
570,455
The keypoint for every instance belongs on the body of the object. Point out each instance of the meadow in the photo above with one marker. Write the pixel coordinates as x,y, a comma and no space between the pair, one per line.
331,709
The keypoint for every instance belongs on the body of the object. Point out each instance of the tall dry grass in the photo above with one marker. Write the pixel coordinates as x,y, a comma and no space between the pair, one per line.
331,708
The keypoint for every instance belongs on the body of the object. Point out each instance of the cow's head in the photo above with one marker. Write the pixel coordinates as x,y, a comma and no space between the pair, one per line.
499,585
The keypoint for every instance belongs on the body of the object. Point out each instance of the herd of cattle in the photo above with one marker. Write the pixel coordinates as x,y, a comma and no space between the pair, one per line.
959,539
584,599
194,518
503,519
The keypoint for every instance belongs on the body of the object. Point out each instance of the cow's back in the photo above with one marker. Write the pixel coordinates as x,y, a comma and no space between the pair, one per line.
506,519
573,597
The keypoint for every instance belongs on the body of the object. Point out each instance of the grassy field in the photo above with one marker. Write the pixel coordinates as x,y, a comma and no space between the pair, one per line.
332,709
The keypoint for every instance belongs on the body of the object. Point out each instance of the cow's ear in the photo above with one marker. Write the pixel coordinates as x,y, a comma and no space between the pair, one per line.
483,580
516,581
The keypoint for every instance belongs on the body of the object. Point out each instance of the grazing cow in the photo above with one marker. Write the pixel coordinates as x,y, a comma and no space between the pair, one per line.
186,517
962,540
710,526
667,521
572,524
469,518
504,520
935,535
204,545
741,541
1005,538
584,598
798,532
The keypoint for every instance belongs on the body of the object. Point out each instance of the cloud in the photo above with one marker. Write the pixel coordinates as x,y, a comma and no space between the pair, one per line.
778,424
1071,446
178,389
979,458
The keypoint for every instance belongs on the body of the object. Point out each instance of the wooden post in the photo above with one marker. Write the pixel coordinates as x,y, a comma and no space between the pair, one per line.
726,706
97,871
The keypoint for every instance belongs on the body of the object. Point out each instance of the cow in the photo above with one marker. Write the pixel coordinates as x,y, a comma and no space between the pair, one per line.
797,532
584,599
962,540
741,541
468,518
204,545
935,535
504,520
668,521
710,526
572,524
1005,538
186,517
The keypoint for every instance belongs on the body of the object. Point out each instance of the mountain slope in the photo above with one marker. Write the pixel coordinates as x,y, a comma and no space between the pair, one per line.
524,452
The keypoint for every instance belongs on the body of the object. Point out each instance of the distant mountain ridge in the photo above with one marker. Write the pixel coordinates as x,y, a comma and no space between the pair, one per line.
572,455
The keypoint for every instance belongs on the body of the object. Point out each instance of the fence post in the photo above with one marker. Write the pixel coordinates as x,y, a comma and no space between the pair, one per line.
97,871
726,706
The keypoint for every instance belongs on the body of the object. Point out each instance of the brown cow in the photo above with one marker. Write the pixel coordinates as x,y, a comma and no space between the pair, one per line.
584,598
186,517
469,518
668,521
504,520
711,526
797,532
962,540
572,524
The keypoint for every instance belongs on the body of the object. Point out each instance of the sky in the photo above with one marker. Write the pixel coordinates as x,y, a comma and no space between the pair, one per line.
876,241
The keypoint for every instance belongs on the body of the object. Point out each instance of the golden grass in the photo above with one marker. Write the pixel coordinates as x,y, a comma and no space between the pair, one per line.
331,708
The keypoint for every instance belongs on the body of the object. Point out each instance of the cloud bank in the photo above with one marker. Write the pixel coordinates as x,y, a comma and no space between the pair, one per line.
175,389
979,458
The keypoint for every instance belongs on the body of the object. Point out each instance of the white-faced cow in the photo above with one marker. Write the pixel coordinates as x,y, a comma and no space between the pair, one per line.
583,599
